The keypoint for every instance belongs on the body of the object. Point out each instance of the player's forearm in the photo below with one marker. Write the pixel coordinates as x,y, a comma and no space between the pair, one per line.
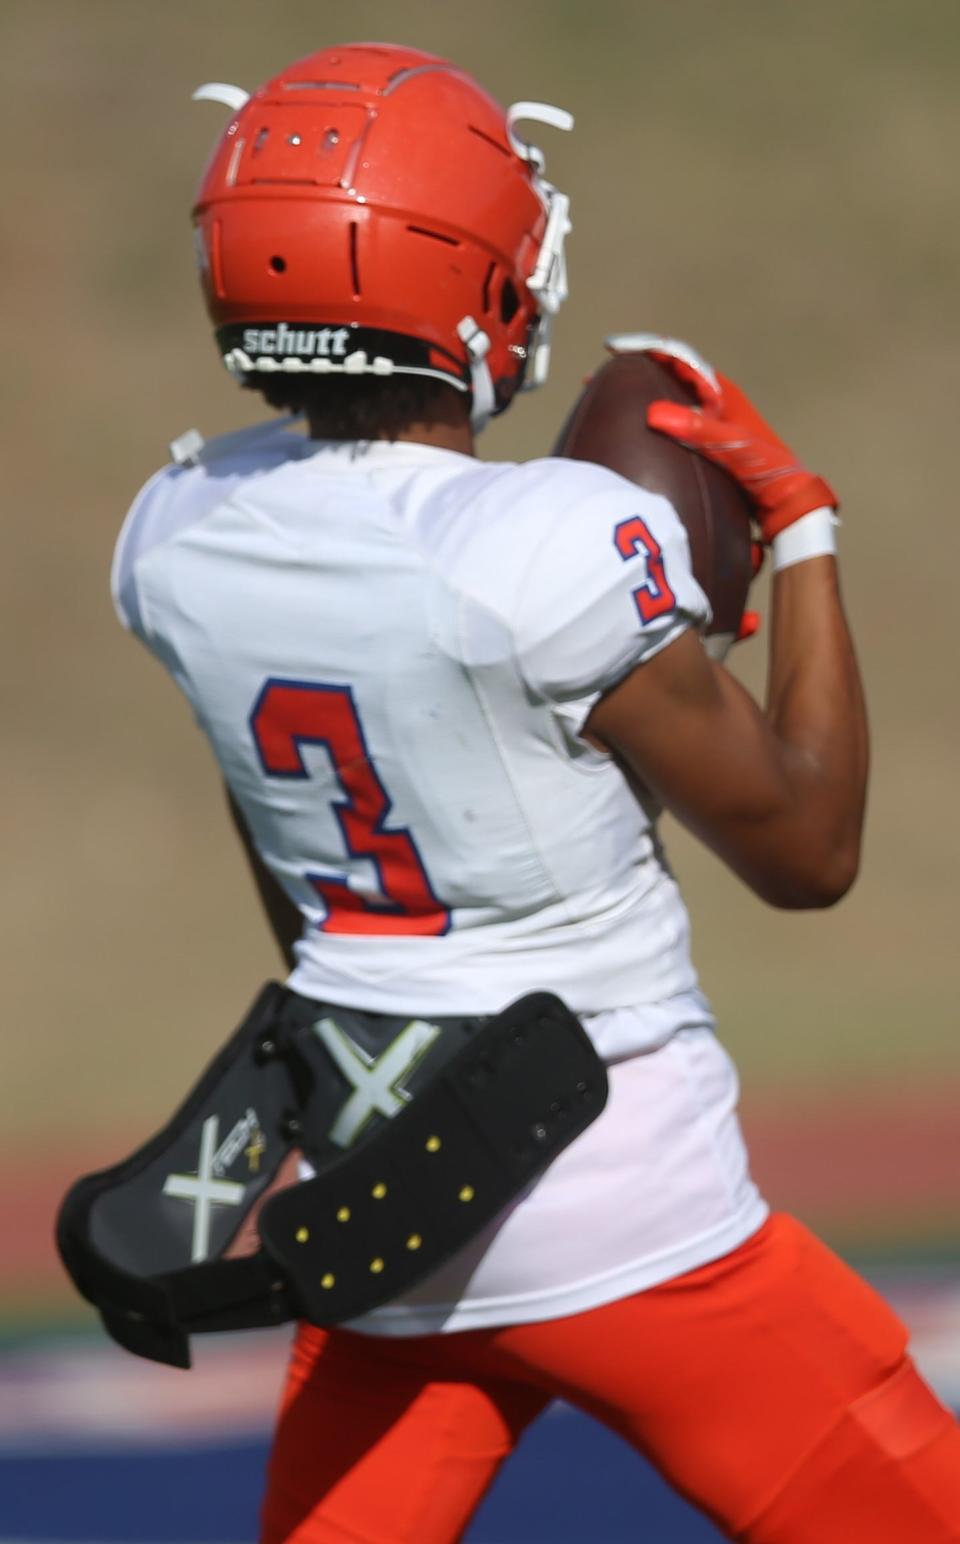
815,707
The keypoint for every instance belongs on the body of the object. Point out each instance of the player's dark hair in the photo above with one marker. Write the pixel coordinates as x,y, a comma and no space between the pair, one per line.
363,407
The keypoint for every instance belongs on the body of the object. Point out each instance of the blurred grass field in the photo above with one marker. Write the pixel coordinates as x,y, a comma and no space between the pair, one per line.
777,183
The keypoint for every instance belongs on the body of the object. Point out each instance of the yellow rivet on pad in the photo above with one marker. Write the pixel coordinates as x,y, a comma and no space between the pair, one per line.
414,1241
379,1191
327,1281
467,1193
301,1235
376,1266
433,1144
343,1215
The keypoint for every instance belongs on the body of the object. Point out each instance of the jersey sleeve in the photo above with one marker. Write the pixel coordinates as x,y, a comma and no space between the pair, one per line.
123,572
608,584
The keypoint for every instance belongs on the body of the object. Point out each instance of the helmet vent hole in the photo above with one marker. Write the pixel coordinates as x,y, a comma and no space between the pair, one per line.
354,261
421,230
260,140
487,281
278,264
509,301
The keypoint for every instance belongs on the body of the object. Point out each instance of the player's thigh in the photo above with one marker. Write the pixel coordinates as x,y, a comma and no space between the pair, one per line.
379,1447
885,1471
768,1384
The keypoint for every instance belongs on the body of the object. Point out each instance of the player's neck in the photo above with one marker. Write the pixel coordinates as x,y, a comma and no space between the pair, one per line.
457,437
448,429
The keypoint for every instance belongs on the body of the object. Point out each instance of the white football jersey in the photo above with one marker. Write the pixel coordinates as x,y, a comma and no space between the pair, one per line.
393,649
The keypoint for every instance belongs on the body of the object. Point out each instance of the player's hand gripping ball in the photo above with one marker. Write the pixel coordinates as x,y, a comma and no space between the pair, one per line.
609,425
724,426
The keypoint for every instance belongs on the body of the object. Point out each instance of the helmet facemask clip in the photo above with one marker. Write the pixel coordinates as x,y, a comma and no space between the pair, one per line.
548,282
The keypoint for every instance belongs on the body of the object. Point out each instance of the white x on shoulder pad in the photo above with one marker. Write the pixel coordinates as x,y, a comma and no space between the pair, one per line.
375,1080
653,342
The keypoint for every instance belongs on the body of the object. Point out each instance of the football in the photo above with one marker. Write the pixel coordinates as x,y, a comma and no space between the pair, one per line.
608,425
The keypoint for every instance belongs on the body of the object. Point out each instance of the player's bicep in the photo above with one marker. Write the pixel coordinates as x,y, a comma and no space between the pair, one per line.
699,742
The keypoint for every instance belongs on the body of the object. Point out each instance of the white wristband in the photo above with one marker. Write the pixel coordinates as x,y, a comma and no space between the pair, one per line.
812,536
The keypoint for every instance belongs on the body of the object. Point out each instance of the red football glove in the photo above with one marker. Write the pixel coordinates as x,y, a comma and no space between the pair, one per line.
728,430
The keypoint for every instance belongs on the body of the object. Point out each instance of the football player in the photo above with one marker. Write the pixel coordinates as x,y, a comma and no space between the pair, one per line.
422,677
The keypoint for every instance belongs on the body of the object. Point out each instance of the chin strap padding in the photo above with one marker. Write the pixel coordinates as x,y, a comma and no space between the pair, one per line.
484,399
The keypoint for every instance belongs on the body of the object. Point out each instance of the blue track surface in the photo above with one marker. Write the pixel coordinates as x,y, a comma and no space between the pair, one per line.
570,1482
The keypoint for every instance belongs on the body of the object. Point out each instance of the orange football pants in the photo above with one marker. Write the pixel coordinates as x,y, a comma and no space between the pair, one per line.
771,1388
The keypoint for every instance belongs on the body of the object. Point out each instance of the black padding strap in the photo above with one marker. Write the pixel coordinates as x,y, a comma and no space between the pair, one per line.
420,1133
373,1224
121,1232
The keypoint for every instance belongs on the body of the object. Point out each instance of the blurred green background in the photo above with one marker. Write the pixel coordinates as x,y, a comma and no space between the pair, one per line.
777,183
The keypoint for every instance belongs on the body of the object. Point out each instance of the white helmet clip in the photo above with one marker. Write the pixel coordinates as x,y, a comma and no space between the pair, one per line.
548,282
233,97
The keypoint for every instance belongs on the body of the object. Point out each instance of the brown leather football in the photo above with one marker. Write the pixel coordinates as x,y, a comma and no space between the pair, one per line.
608,425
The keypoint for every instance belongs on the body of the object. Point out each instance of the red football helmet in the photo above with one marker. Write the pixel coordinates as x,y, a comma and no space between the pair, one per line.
372,210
